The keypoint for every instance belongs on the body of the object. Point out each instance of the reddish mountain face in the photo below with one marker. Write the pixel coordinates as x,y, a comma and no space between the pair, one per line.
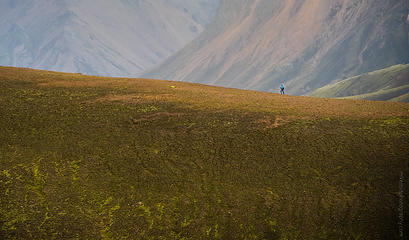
304,43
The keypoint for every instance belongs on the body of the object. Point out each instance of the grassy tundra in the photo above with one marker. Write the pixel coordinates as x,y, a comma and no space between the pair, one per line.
103,158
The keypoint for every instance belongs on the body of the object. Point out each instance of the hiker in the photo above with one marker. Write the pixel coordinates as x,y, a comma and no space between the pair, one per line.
282,88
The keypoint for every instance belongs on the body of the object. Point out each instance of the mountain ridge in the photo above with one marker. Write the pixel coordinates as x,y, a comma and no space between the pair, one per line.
306,44
111,38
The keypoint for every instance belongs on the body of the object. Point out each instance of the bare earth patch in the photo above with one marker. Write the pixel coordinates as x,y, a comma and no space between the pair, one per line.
128,98
121,98
156,115
279,120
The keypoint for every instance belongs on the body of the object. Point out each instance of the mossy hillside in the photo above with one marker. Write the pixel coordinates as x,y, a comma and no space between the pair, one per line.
102,158
389,84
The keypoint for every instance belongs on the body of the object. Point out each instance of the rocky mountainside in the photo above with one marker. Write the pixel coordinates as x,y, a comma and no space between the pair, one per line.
104,37
306,44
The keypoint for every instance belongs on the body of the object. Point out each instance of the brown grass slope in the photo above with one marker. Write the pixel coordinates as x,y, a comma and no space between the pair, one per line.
110,158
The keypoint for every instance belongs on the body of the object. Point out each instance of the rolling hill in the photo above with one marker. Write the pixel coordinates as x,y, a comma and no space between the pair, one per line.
113,158
389,84
104,37
305,43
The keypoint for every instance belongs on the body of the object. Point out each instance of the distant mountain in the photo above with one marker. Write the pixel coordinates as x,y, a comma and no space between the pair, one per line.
389,84
104,37
304,43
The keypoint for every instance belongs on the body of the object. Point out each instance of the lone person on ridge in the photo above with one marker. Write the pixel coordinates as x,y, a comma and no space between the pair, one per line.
282,88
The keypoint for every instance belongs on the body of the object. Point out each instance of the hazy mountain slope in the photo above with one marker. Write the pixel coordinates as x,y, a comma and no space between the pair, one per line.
305,43
105,37
398,94
386,84
115,158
